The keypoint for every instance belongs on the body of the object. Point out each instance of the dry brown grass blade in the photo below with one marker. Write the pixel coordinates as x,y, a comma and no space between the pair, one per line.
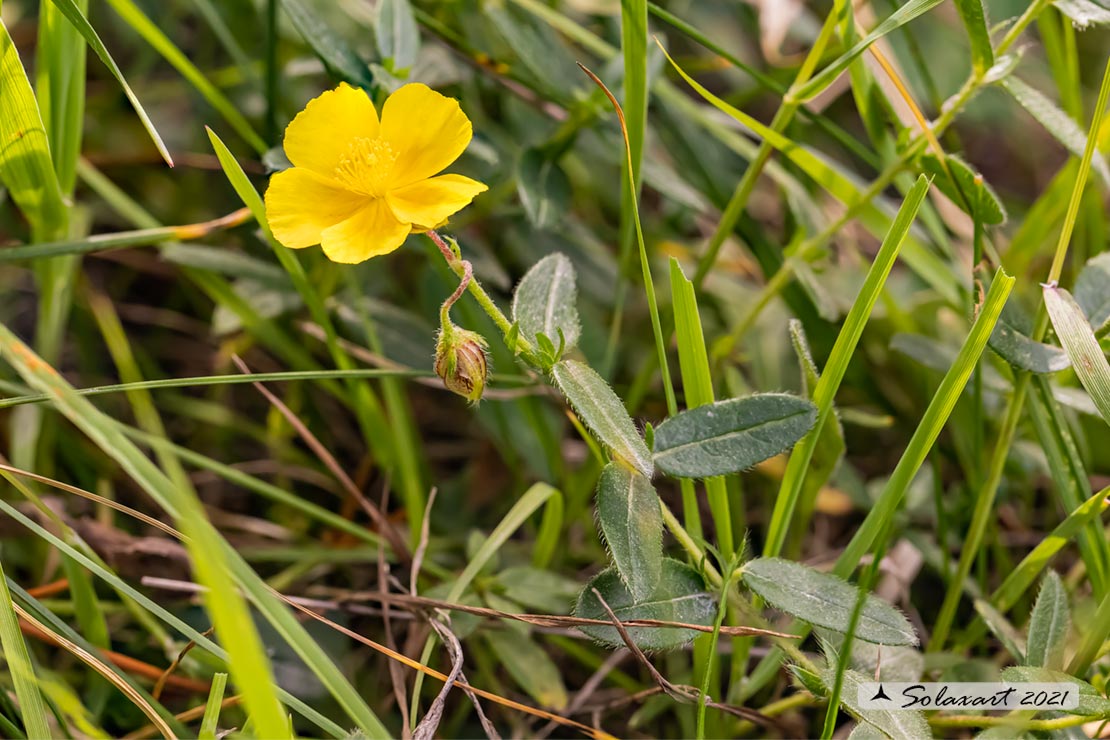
100,667
388,531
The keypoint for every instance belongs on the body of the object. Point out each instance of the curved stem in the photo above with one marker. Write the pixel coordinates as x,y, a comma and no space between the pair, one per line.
450,252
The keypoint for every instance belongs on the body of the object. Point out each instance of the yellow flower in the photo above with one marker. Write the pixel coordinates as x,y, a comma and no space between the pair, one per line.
358,186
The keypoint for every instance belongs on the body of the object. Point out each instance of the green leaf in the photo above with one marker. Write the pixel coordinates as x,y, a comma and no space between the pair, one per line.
530,667
632,525
825,600
1084,13
540,51
544,302
74,15
1091,702
1092,291
397,35
25,165
1048,625
730,436
602,412
680,597
332,50
19,664
544,188
1087,357
1056,122
1015,347
974,18
973,195
897,724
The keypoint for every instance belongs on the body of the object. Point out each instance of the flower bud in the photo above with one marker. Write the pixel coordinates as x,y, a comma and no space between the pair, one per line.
461,362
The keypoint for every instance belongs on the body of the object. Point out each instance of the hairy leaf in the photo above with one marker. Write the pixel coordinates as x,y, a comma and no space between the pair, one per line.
680,597
603,412
730,436
825,600
629,517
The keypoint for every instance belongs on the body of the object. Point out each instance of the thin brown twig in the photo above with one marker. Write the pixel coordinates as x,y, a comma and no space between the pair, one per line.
160,684
538,620
684,694
415,665
396,542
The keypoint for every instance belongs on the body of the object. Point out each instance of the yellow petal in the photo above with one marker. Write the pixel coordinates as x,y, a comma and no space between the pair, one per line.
429,203
427,130
372,231
321,133
300,205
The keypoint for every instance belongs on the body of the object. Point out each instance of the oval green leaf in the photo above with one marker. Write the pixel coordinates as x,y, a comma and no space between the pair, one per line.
1091,702
900,724
530,666
604,413
544,302
632,525
730,436
824,600
680,597
1022,352
1049,624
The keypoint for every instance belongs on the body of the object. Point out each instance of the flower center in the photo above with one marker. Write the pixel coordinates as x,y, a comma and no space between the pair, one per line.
366,166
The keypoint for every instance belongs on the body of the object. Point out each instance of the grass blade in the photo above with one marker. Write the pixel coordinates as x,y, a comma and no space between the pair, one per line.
973,15
533,499
936,415
60,87
697,383
823,395
161,43
211,718
74,15
218,566
22,671
26,168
